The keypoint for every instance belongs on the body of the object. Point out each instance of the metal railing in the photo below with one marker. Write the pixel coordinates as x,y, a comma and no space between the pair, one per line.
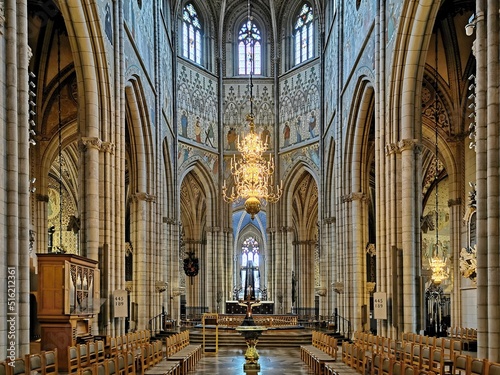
157,323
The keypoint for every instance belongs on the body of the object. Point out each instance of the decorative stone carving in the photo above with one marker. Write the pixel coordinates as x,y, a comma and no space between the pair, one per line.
90,142
330,220
338,287
358,196
321,292
161,286
391,148
129,286
407,144
129,249
371,250
108,147
141,196
370,286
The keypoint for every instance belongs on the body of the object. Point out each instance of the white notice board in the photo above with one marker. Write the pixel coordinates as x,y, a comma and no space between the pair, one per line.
380,305
120,303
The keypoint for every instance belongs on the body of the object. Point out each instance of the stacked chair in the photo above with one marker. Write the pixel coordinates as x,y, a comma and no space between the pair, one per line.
322,351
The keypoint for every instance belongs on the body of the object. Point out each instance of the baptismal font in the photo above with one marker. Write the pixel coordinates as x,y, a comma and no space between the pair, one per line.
248,329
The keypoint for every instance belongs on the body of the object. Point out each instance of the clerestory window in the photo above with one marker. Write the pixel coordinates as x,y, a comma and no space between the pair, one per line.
304,34
249,49
191,34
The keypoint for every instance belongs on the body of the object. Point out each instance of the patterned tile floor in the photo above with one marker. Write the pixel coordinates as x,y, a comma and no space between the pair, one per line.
286,361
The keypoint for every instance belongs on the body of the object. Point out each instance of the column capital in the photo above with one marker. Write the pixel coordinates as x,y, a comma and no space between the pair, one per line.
330,220
142,196
213,229
356,196
305,242
455,202
108,147
391,148
90,142
169,220
409,144
286,229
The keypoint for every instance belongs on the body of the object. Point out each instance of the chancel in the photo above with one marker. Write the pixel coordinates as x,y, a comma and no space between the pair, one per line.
169,168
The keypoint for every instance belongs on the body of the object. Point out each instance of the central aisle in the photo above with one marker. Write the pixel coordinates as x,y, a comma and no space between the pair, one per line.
286,361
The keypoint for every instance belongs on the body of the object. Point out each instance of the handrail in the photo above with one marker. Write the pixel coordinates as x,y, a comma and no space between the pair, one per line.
342,325
157,323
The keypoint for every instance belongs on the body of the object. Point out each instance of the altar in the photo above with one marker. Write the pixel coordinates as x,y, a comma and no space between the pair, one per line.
265,307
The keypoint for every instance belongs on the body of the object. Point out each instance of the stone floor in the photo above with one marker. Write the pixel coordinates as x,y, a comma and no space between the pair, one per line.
286,361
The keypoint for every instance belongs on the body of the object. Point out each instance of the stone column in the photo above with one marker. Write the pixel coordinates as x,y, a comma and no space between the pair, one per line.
142,264
89,199
356,207
455,207
410,203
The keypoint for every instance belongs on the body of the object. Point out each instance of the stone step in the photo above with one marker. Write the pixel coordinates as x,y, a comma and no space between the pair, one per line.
270,338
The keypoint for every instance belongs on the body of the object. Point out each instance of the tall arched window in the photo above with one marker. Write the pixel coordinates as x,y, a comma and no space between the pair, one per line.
304,34
250,253
249,49
191,34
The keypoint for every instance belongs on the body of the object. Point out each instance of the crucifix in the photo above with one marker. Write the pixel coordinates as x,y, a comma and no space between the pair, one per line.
249,299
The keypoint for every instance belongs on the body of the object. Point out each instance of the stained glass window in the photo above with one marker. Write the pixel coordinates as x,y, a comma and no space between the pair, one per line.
250,253
304,34
249,49
191,34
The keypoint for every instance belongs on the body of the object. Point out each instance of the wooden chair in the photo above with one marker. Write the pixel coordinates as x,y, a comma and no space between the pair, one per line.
19,367
130,364
460,364
101,350
416,355
121,363
426,357
492,368
476,366
50,362
386,364
437,362
396,367
89,370
34,363
83,355
73,359
376,367
111,367
100,368
3,368
113,347
92,352
407,352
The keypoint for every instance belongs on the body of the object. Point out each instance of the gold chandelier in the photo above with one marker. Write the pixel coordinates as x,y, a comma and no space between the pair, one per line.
252,172
437,261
